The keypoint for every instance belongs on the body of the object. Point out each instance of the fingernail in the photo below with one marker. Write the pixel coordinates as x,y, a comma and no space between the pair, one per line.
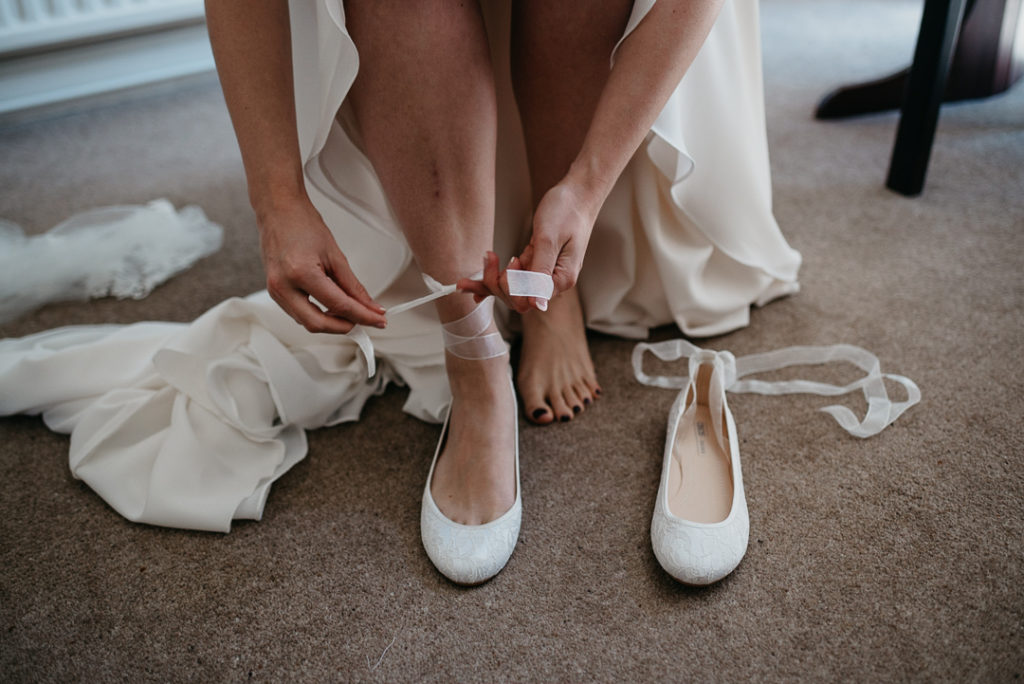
542,304
510,262
382,325
565,419
539,412
576,409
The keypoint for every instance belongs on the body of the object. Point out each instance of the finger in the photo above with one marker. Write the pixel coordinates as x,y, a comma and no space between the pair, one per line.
530,261
340,304
310,317
543,256
525,260
523,304
495,279
519,304
474,287
491,273
567,268
343,275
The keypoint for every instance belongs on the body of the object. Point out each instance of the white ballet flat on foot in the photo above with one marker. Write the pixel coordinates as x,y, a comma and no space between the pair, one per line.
469,554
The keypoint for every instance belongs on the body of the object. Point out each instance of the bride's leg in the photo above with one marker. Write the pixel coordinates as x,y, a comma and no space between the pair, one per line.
560,63
425,104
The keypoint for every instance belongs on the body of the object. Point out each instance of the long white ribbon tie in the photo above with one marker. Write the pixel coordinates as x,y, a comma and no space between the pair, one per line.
463,338
881,412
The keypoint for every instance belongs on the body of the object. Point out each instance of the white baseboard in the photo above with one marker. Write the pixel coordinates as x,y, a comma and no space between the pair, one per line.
39,80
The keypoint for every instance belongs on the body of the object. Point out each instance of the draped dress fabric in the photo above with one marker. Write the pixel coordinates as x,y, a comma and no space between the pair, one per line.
188,425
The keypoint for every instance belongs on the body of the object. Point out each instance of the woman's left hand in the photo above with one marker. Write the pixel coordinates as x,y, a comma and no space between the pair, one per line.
562,225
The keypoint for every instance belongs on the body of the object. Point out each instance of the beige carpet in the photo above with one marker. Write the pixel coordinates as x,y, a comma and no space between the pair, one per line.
899,557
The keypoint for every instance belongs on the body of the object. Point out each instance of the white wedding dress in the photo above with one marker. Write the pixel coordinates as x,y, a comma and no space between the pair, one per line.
188,425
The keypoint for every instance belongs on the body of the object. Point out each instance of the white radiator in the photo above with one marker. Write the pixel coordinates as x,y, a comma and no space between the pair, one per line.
54,51
33,25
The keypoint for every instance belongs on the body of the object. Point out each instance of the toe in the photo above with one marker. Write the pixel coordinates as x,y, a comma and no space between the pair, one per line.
537,409
574,401
584,393
562,408
542,415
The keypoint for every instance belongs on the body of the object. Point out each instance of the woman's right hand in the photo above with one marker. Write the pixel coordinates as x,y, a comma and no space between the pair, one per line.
302,260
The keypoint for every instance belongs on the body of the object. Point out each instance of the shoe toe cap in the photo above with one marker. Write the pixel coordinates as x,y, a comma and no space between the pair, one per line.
699,554
469,554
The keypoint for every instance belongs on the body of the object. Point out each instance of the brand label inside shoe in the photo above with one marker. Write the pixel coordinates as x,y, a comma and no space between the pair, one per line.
702,446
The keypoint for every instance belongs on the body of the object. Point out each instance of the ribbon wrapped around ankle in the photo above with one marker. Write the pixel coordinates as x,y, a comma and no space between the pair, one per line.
463,338
881,412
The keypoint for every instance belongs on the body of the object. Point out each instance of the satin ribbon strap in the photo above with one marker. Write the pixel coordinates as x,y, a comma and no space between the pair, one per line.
881,412
358,335
529,284
463,338
669,350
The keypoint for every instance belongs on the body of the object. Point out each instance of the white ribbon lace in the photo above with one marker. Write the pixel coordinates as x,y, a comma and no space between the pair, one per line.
463,338
529,284
881,412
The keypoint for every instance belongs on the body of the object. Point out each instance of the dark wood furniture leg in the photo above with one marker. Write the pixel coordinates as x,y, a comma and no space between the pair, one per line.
926,85
985,63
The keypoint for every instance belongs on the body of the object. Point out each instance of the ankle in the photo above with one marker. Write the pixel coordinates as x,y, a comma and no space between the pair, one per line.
478,376
564,305
455,306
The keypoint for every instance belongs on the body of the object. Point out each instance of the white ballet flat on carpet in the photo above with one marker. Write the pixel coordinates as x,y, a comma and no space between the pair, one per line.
469,554
700,526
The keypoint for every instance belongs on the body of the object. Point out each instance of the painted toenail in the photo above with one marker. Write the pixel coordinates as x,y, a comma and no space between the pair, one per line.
565,419
576,409
586,401
598,391
539,412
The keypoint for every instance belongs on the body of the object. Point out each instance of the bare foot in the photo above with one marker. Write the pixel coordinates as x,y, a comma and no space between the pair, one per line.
556,374
475,480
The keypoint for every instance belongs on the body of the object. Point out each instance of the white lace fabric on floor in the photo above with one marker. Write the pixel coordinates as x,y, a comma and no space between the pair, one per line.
122,251
881,413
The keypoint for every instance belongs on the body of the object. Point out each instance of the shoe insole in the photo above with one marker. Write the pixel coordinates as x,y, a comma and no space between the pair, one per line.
700,475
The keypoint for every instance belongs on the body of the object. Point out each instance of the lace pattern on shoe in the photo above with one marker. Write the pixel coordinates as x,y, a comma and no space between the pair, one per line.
881,413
